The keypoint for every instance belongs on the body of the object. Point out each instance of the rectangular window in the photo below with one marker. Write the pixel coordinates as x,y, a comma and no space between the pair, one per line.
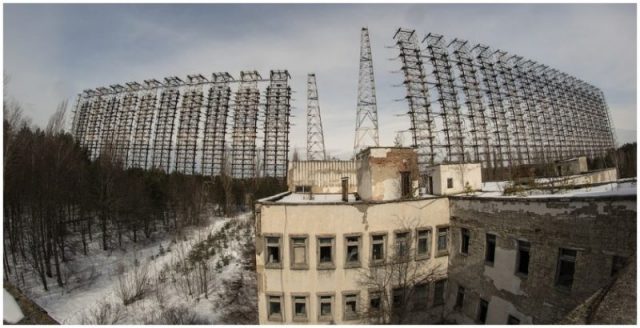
566,268
350,306
325,310
377,248
449,183
402,244
482,311
303,188
490,252
298,252
460,298
443,239
513,320
423,248
405,184
398,298
325,252
438,297
420,297
352,251
375,301
523,257
299,308
464,241
617,264
275,307
273,251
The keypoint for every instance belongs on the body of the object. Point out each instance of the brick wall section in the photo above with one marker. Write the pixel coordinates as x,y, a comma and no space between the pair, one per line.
597,227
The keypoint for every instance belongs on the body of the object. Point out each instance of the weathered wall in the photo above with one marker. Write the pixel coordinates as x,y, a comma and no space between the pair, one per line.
379,172
597,227
600,176
573,166
462,174
338,219
323,176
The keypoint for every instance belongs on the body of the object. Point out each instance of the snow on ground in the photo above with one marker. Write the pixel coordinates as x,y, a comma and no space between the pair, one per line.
621,187
92,286
10,310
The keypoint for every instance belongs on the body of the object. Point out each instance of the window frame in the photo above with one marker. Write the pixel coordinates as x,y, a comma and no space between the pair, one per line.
465,232
486,249
373,262
482,301
268,297
523,245
407,241
427,254
415,304
267,264
345,295
437,301
449,183
442,252
319,297
379,294
326,265
352,264
298,266
562,258
294,317
405,184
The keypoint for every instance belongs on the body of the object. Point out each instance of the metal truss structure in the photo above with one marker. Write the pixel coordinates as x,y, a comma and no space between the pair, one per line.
276,125
215,125
188,128
367,115
315,135
182,125
497,109
245,124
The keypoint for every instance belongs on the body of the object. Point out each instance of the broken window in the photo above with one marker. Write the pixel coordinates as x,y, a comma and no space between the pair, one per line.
449,183
513,320
443,238
482,311
375,301
424,243
420,297
275,308
464,241
490,252
397,299
299,308
350,306
326,308
566,267
353,250
298,252
377,248
460,298
617,264
325,251
402,244
273,251
523,257
438,297
405,184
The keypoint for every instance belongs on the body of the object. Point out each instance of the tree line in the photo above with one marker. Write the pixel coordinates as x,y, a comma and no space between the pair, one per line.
57,201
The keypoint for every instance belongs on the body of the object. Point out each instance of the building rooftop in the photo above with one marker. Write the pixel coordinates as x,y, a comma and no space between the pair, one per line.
623,187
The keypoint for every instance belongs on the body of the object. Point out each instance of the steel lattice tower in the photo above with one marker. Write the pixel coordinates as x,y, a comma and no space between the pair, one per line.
215,125
245,122
367,116
315,136
142,136
163,143
124,130
188,128
276,125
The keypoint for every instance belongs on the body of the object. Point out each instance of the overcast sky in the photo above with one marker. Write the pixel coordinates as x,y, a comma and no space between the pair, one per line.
52,52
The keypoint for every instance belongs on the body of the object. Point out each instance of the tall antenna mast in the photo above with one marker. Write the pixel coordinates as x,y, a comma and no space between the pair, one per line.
367,117
315,137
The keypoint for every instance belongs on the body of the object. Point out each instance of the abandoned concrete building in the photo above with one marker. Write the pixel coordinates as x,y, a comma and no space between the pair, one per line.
452,251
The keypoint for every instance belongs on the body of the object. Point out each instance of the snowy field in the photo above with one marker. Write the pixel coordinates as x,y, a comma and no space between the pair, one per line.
180,280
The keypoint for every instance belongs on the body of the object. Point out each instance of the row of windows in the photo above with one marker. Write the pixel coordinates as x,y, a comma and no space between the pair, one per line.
351,306
566,265
482,309
326,248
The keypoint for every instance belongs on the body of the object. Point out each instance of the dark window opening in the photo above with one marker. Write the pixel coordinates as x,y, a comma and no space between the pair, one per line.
377,248
490,254
402,244
420,294
374,302
449,183
424,241
325,250
443,234
482,311
273,250
325,306
523,257
353,244
438,297
405,184
566,267
464,247
300,308
274,307
398,298
460,297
